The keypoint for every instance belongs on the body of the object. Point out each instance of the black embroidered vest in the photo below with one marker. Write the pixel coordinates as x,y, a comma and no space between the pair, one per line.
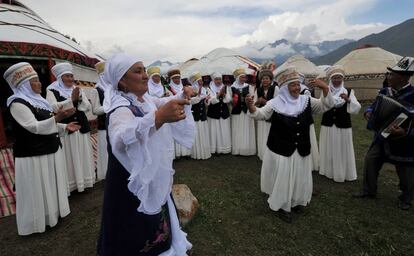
29,144
288,133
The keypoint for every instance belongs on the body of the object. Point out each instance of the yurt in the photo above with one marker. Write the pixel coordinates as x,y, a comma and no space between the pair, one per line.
24,36
303,65
221,60
365,69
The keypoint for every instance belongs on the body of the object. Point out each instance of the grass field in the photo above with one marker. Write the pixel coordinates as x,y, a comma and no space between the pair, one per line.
234,218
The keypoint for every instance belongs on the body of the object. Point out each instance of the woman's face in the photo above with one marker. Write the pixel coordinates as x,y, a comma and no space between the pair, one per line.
156,79
265,81
36,85
200,82
67,80
294,89
135,80
337,80
242,79
176,79
217,81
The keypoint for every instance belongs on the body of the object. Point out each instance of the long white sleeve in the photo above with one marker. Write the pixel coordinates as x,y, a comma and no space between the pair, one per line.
24,116
97,108
66,104
263,113
353,106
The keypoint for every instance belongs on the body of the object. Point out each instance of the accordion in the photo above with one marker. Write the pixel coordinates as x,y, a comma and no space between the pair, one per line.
388,112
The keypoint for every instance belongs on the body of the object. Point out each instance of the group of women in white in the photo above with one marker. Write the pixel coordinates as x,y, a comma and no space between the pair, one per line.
284,133
148,124
52,149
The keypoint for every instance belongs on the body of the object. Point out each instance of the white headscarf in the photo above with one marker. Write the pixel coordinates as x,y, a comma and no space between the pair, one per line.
287,105
26,93
214,88
336,92
237,84
115,69
196,88
155,89
177,87
59,86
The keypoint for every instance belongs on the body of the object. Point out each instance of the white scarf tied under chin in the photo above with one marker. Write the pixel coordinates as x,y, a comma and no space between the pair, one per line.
26,93
239,85
59,86
336,93
115,69
214,88
155,89
286,104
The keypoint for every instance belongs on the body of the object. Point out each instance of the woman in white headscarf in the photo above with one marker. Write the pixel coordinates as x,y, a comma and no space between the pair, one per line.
243,134
264,93
335,139
218,116
139,216
201,96
155,87
77,145
286,174
176,86
41,182
305,90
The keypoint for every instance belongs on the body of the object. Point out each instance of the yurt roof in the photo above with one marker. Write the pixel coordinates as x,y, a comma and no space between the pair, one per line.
24,34
221,60
370,60
303,65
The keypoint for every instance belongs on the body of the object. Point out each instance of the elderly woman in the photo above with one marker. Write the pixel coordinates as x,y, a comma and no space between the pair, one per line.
139,216
155,87
201,148
77,145
286,174
176,86
264,93
335,139
243,134
41,182
218,116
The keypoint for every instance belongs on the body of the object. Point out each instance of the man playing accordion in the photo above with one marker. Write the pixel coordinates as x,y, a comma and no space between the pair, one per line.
398,147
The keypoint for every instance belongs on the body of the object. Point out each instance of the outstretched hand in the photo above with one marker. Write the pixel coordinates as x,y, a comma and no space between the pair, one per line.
172,111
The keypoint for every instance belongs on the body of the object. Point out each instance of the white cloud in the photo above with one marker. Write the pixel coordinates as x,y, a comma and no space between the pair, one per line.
177,30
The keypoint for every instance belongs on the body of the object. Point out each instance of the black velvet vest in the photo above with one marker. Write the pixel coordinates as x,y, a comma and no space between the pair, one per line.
218,110
79,116
338,116
268,96
29,144
288,133
239,103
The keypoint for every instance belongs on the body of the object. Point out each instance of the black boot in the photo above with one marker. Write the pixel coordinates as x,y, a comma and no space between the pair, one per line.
285,216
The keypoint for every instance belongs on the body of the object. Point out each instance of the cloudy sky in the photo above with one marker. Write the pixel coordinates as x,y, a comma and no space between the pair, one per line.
177,30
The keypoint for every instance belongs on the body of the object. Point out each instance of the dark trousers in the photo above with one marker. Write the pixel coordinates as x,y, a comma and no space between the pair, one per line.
374,159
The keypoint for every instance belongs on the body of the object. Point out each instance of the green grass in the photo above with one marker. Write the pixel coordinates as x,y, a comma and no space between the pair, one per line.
234,218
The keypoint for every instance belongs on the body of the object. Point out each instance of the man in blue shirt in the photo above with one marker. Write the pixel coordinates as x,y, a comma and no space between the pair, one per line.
398,148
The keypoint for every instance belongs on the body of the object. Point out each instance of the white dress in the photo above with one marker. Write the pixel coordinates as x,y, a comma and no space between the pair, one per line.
147,154
337,149
77,148
201,148
243,134
220,130
263,128
102,160
41,181
288,180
